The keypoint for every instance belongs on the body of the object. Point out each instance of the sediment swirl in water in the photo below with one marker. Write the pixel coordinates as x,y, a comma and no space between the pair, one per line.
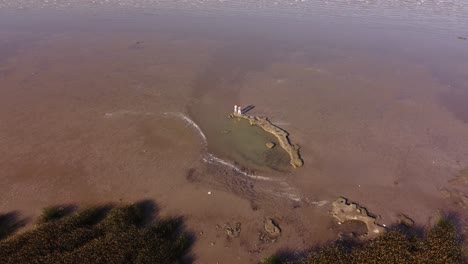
287,192
210,158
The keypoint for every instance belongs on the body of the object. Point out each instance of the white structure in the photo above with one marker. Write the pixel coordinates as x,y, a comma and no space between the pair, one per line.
235,108
239,110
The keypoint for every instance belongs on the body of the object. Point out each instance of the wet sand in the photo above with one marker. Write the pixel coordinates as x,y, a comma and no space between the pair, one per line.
99,111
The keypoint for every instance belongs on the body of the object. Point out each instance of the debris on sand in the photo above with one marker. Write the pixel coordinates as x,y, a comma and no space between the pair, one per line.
460,179
270,145
279,133
455,192
233,231
456,196
344,211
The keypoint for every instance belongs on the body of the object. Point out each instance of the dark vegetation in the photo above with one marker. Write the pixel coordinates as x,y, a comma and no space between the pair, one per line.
53,213
441,244
130,234
125,234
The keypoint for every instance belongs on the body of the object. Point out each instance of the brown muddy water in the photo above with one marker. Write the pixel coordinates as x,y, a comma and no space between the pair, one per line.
121,103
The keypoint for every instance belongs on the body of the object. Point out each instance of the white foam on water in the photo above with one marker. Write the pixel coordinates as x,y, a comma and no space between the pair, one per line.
319,203
191,123
287,192
210,158
291,196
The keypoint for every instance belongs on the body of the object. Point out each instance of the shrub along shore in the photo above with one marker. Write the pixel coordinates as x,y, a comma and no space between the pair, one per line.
441,244
131,234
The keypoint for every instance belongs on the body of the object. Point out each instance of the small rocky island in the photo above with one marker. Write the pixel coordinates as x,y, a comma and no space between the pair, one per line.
279,133
343,210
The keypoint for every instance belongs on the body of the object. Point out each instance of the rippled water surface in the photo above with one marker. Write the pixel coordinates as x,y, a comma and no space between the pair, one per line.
374,92
240,39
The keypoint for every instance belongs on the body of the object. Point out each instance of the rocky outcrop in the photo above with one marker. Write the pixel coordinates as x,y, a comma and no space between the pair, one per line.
271,228
344,211
270,233
279,133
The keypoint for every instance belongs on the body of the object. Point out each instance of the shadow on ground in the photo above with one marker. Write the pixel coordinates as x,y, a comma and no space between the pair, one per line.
9,223
103,234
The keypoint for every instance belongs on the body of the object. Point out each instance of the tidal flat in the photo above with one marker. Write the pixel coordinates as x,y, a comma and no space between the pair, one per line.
103,103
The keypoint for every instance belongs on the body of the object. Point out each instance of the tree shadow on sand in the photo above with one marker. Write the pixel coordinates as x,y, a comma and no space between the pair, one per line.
103,234
9,223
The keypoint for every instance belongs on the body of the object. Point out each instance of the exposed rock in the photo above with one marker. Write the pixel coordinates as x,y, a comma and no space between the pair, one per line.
271,228
233,232
405,220
344,211
270,145
279,133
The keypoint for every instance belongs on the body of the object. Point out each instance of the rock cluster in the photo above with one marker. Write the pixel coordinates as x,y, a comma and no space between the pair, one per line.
343,211
270,233
233,231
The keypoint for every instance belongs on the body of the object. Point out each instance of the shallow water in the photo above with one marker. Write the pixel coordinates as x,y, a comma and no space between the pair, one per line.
375,93
224,56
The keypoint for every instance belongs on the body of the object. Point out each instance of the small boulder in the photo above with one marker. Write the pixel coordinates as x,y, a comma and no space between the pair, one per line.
270,145
271,228
405,220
